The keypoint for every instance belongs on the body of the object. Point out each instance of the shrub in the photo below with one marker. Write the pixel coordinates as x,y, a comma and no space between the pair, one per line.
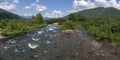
69,25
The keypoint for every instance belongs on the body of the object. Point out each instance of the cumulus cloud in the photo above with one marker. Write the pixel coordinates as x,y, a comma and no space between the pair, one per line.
7,6
29,14
108,3
87,4
27,7
17,12
36,6
54,14
40,8
83,4
33,4
15,1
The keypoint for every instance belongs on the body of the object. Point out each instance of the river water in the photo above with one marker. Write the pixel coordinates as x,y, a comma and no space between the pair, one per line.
48,43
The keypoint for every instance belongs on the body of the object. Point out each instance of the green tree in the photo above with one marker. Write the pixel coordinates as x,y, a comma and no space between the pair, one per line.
81,17
38,18
72,17
33,17
68,24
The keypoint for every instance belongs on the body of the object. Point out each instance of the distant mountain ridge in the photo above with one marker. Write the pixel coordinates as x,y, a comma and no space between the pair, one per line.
8,15
100,12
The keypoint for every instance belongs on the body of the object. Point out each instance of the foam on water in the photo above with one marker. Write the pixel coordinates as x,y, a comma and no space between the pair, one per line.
13,42
32,46
40,32
5,47
51,29
48,42
16,50
35,39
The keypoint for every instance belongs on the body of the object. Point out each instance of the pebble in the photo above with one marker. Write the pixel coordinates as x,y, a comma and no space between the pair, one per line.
48,42
45,51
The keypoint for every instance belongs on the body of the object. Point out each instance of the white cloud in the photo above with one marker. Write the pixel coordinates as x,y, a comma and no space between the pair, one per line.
36,6
7,6
23,14
27,7
29,14
54,14
4,4
40,8
108,3
33,4
87,4
16,1
16,12
71,11
83,4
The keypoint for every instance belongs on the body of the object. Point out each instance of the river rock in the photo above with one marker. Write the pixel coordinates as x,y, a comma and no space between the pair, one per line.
2,37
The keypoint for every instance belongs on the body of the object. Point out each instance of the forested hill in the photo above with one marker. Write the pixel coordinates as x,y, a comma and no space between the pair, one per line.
8,15
101,12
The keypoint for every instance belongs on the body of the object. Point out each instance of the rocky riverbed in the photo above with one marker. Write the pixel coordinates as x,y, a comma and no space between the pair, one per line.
49,43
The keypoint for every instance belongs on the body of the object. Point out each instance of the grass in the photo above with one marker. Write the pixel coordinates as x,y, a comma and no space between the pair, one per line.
70,25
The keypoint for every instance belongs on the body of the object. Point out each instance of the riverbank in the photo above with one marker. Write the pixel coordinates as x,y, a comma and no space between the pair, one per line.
5,38
12,27
49,43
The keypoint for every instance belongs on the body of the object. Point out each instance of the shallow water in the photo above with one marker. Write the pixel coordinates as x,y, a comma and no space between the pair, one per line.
28,43
48,43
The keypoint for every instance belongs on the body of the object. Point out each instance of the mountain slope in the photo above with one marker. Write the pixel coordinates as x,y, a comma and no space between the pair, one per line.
100,12
8,15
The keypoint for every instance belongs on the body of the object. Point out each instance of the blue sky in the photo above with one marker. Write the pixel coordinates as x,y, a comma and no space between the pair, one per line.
53,8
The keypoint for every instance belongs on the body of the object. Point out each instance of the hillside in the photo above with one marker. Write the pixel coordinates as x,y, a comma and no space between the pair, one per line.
100,12
5,14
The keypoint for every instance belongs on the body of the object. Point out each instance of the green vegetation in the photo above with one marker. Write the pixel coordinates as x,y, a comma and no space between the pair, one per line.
8,15
13,27
101,12
38,17
72,17
80,17
103,24
70,25
101,29
50,21
73,22
107,30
